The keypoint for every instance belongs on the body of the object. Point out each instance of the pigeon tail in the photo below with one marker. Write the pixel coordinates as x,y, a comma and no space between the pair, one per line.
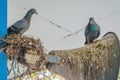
13,30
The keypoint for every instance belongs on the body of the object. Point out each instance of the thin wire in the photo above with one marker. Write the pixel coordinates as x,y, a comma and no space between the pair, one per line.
76,32
12,2
106,16
72,34
110,14
51,22
2,39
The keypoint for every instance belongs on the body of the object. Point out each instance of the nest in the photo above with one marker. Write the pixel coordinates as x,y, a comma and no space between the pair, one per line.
26,50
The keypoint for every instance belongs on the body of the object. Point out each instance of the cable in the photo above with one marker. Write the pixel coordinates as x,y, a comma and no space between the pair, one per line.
110,14
12,2
51,22
106,16
71,33
59,26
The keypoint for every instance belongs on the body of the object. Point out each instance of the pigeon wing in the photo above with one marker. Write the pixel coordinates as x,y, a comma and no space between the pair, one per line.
98,29
86,30
20,24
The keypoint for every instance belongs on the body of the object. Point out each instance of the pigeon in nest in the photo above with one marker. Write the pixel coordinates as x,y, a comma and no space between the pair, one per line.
92,31
21,26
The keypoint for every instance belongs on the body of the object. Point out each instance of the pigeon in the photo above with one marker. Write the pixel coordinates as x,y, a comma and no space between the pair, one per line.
92,31
21,26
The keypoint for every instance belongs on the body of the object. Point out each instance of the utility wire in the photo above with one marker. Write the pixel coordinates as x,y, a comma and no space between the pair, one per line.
106,16
71,33
51,22
13,3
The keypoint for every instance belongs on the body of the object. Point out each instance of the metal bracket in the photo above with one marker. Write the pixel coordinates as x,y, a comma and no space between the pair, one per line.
53,59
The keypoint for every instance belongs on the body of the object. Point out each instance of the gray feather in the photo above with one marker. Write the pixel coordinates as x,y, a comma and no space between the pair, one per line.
22,25
92,31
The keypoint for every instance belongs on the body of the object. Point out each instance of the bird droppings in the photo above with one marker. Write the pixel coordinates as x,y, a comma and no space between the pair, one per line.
26,50
90,60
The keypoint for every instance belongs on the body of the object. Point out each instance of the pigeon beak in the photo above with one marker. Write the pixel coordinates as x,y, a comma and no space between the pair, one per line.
36,13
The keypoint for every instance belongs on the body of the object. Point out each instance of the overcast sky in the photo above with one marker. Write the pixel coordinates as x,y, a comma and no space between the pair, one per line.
71,14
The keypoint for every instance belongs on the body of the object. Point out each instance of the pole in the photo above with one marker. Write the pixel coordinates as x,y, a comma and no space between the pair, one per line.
3,31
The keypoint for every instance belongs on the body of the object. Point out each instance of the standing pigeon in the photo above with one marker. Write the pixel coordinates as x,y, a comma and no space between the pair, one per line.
22,25
92,31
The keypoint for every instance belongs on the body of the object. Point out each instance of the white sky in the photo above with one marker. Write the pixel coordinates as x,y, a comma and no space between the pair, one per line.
72,14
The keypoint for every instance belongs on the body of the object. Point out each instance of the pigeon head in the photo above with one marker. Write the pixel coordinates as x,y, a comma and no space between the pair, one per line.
91,20
32,11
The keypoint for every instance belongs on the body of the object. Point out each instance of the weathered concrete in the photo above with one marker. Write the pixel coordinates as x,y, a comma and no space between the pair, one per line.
97,61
